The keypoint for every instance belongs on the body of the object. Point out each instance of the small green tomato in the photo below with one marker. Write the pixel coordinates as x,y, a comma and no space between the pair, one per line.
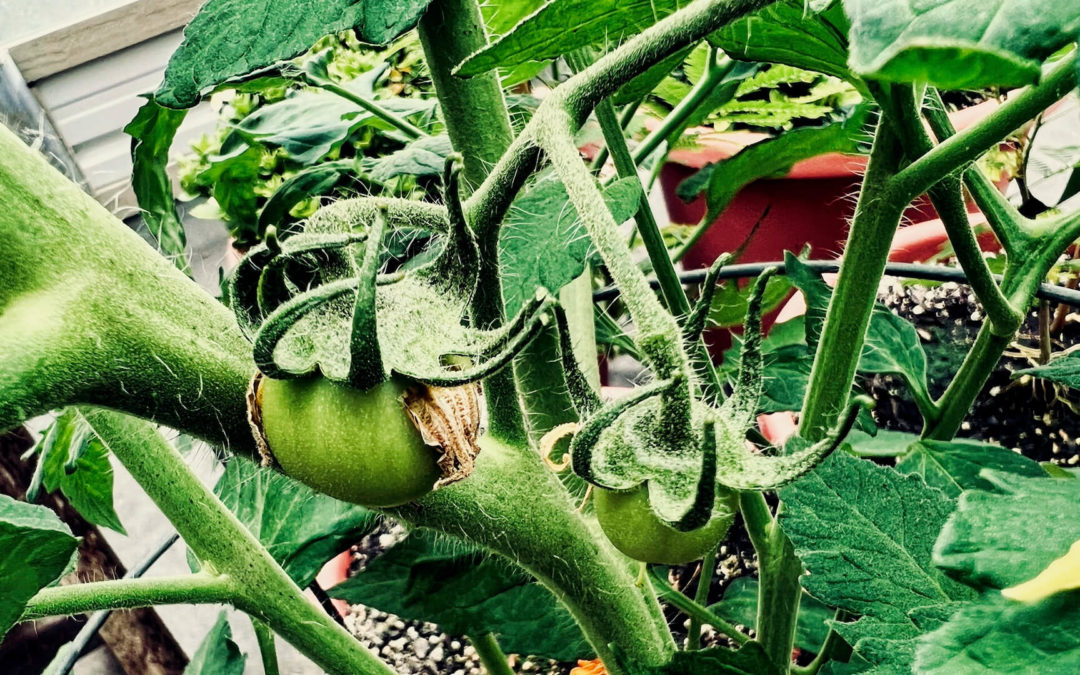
630,524
357,445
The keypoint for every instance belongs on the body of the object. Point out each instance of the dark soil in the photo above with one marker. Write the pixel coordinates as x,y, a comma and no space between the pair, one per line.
1030,415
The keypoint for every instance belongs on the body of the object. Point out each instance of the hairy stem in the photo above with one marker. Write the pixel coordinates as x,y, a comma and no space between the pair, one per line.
699,614
479,126
877,215
967,145
491,654
400,123
779,570
516,507
267,647
701,597
227,549
189,589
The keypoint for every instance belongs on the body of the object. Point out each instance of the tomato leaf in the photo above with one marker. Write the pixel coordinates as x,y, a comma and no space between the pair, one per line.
231,38
954,466
784,32
958,44
35,549
1005,537
542,243
305,184
561,26
465,591
772,157
867,550
1064,369
422,157
301,528
730,302
75,461
152,132
217,654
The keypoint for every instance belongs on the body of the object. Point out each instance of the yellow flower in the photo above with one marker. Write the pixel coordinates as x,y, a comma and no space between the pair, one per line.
1061,575
594,667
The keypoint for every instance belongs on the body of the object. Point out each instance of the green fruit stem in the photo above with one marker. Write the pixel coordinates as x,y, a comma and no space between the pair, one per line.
515,506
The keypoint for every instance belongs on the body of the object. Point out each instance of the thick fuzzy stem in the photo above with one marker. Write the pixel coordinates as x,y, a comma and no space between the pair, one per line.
877,216
519,509
89,313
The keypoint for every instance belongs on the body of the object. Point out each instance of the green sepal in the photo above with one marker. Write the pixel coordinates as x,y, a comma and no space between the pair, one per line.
741,469
284,318
365,357
672,508
694,324
739,410
585,399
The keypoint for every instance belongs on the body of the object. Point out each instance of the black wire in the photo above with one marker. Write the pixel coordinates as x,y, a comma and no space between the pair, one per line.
97,620
325,602
907,270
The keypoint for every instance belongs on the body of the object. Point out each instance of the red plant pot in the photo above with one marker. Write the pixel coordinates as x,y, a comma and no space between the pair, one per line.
811,205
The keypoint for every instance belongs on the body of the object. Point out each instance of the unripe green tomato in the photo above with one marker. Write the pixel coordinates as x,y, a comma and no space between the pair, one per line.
358,446
630,524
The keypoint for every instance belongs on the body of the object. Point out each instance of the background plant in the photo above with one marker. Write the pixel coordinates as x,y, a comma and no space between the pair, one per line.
911,557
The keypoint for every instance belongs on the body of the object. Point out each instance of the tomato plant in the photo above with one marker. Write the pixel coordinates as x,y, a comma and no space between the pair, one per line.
421,354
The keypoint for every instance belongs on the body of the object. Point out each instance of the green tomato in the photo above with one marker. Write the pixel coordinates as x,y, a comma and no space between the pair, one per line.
630,524
358,446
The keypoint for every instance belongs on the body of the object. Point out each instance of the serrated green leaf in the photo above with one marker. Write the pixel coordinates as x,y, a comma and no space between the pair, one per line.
816,294
561,26
465,591
305,184
1064,369
787,374
953,467
152,132
1003,538
231,38
784,32
865,533
958,44
739,606
542,243
309,124
76,462
893,347
730,302
772,157
218,654
301,528
996,635
423,157
35,549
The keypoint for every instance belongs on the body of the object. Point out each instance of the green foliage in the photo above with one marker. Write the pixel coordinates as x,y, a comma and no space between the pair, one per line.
152,132
1000,43
466,592
783,32
955,466
1064,369
739,606
729,304
301,528
75,461
217,654
543,34
770,158
35,549
865,549
232,38
542,243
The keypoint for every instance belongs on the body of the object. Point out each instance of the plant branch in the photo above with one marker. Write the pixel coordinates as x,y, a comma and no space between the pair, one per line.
714,74
701,597
491,654
267,647
966,146
191,589
779,592
400,123
877,215
1008,225
955,403
693,609
947,197
256,583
